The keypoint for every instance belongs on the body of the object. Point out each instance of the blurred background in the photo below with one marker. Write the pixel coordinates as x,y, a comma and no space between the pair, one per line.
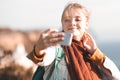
21,22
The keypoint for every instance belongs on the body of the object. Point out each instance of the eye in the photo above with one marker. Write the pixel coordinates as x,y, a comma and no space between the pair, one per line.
66,20
78,19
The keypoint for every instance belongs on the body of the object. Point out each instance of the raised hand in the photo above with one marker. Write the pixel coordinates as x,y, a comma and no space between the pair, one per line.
89,43
47,38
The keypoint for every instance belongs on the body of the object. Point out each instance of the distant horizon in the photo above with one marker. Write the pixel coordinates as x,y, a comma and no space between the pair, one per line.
110,48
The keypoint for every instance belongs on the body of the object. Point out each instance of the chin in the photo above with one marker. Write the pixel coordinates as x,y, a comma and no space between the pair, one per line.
71,31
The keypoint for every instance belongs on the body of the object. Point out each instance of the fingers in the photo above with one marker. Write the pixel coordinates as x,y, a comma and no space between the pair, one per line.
54,38
50,37
86,45
50,31
47,32
92,40
89,43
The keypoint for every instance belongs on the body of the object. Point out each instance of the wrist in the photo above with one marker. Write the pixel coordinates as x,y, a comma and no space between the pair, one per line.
98,57
38,54
92,51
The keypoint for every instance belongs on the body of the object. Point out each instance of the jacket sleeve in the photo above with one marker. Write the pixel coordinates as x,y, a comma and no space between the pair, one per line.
102,60
45,60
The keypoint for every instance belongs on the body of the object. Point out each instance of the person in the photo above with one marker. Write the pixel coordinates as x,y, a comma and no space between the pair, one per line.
81,60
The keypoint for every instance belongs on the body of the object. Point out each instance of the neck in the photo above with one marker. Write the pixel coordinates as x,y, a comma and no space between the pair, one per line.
78,37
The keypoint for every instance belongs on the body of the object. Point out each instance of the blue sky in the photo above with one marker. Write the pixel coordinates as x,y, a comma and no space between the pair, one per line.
33,14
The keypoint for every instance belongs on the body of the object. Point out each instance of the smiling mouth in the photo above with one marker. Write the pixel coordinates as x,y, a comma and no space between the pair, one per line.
72,28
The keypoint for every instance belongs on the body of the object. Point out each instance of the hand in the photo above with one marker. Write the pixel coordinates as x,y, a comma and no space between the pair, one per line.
47,38
89,43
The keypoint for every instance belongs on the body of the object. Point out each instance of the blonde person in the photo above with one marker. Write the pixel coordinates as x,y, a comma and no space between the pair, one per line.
82,60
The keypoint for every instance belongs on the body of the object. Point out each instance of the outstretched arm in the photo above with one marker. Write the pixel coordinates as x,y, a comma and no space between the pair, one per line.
47,39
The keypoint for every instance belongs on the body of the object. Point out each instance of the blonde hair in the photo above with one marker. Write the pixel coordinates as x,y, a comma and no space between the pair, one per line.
76,5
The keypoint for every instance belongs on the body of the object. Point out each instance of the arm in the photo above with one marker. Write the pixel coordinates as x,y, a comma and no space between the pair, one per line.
34,58
46,59
41,49
100,58
106,64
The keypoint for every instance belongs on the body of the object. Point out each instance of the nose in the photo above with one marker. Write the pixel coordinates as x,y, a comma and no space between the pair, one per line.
73,23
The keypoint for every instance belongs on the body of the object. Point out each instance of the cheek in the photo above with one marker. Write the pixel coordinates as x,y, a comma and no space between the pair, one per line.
64,27
81,29
83,26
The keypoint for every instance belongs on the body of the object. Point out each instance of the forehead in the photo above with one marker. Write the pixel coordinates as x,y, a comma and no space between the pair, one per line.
73,12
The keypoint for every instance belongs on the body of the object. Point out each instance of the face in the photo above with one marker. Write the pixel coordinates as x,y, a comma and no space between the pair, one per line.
74,21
